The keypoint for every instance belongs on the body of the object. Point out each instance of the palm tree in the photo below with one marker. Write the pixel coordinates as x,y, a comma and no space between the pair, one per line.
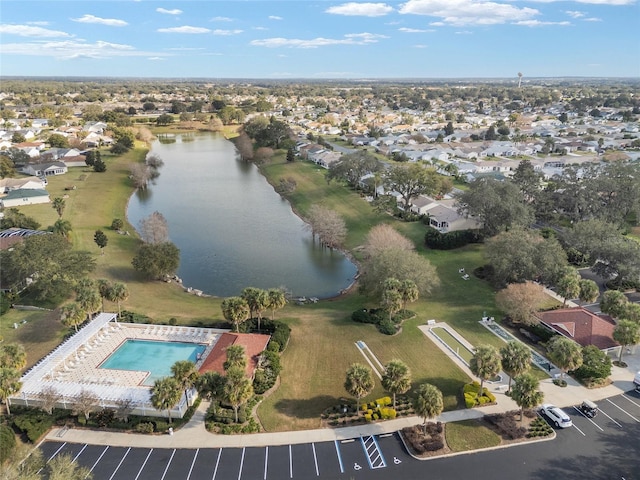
565,353
237,389
257,300
104,288
58,205
9,384
485,364
165,394
396,378
72,315
13,355
235,310
277,300
409,291
119,293
88,297
235,357
185,373
62,227
516,359
359,382
525,392
391,296
589,291
428,403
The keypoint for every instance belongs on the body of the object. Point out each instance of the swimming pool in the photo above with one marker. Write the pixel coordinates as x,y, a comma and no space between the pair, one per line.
151,356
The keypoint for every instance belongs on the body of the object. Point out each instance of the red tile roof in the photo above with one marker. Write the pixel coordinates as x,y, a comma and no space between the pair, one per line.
581,325
253,344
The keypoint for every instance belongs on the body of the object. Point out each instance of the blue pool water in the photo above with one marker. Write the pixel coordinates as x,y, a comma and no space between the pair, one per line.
149,356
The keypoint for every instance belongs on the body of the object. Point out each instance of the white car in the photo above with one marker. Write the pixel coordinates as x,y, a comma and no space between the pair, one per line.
556,415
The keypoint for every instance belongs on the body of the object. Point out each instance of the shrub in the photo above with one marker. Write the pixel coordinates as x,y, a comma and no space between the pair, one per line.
132,317
33,423
384,401
144,427
472,397
450,240
505,424
161,426
117,224
104,417
364,316
7,443
367,417
559,382
387,327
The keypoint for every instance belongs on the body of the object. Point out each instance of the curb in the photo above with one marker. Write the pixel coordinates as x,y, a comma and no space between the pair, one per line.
478,450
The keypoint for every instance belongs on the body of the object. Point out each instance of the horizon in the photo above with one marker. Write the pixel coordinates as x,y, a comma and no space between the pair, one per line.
322,40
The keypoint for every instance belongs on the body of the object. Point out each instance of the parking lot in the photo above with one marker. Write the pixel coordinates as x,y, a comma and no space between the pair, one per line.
352,457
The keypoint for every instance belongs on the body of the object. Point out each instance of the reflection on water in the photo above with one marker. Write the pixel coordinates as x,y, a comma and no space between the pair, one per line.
232,229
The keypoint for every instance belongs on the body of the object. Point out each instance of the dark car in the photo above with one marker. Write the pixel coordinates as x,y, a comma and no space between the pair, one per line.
588,409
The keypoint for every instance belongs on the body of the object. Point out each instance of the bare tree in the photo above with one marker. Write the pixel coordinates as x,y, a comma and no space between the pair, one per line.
49,397
263,155
327,225
384,236
154,229
154,161
520,301
140,174
85,403
244,146
124,410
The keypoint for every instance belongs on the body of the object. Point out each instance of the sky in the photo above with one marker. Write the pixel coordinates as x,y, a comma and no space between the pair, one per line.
311,39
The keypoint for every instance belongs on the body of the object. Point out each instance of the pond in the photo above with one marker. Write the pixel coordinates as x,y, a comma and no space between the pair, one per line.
233,230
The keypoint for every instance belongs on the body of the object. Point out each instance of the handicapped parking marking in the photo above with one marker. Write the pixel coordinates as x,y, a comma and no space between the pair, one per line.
357,466
397,461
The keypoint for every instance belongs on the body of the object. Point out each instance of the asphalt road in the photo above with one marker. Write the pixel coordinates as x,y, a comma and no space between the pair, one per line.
606,447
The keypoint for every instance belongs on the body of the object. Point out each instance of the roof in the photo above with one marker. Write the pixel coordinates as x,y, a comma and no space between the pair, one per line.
581,325
253,344
25,193
14,235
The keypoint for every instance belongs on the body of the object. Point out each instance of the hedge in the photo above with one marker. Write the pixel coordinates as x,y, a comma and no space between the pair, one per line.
33,423
7,443
473,399
450,240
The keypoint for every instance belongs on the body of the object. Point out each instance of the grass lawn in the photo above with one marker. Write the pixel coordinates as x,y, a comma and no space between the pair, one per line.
323,337
453,343
470,435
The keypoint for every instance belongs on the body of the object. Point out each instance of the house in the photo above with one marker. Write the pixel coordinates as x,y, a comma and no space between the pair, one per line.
11,236
253,344
445,219
45,169
24,196
9,184
53,154
581,326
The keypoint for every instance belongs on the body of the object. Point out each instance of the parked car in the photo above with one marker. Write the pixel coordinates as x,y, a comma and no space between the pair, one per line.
556,415
588,409
636,382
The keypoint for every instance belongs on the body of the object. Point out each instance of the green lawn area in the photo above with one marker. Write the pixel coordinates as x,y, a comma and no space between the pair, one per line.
470,435
323,337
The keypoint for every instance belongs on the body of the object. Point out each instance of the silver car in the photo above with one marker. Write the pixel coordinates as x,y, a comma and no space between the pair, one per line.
556,415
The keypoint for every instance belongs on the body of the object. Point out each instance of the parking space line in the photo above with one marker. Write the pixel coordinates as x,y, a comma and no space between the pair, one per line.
609,418
56,452
193,463
628,397
266,459
122,460
290,463
166,469
79,453
143,464
622,409
99,458
215,470
315,459
241,463
580,412
583,434
339,456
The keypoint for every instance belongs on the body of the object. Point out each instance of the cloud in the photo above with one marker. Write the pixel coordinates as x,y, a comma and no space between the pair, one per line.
612,3
361,9
592,19
222,19
538,23
111,22
70,49
185,49
31,31
184,29
420,45
413,30
227,32
575,13
156,58
175,11
464,32
468,12
349,39
274,17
